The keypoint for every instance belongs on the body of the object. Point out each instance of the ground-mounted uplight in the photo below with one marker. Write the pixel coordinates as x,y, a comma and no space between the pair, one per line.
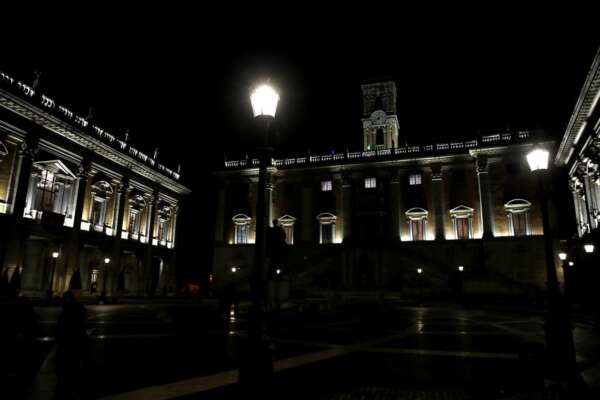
419,271
461,268
588,247
562,256
538,159
55,254
264,99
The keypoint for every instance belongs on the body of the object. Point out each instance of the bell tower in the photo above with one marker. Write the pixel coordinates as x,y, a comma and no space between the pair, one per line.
379,121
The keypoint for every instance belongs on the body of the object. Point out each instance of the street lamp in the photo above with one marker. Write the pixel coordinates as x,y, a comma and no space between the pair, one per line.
562,256
419,271
461,268
264,99
588,247
559,335
105,278
50,292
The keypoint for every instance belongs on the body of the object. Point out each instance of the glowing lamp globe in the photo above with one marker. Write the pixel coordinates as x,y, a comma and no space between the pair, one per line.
562,256
589,248
106,260
55,254
419,271
461,268
264,101
538,159
233,269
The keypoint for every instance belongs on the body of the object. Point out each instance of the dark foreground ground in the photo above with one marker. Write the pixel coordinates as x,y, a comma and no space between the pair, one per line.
188,351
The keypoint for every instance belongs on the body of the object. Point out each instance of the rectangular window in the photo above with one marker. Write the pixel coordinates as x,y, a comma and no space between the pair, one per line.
162,230
326,186
289,233
414,179
241,234
327,233
134,222
462,228
519,223
370,183
417,229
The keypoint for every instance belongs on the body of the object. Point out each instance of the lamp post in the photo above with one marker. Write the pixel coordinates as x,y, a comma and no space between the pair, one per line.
50,293
560,349
105,278
264,99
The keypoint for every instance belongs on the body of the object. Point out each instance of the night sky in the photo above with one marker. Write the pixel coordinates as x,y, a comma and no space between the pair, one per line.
186,92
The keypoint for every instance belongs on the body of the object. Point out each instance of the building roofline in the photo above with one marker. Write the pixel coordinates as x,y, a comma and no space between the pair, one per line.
586,102
15,89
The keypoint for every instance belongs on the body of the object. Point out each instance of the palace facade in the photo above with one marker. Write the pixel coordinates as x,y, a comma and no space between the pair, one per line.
79,208
392,217
579,153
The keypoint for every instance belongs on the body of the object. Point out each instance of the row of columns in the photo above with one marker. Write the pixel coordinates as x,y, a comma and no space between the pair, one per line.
486,207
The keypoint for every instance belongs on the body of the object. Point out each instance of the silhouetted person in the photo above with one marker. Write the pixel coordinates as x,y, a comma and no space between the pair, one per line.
71,349
277,249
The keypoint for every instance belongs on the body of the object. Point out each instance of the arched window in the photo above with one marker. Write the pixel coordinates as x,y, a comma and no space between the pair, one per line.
241,226
517,212
417,223
287,223
326,228
462,222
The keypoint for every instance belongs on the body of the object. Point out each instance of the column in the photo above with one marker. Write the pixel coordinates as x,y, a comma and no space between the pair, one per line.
122,189
486,208
73,245
219,215
590,200
269,202
577,207
150,231
15,243
25,157
308,218
174,216
436,194
346,207
395,206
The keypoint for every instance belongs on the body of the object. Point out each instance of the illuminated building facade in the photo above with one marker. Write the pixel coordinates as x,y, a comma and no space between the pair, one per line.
579,152
68,186
366,221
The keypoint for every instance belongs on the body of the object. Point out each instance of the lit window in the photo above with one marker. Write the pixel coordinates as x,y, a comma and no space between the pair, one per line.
326,228
287,224
370,183
417,223
241,234
414,179
517,212
462,221
326,186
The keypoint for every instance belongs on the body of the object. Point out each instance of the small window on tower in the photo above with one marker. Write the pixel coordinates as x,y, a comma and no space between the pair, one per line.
379,137
414,179
370,183
326,186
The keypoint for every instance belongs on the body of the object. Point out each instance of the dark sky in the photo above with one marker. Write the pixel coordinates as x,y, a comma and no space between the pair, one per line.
186,91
